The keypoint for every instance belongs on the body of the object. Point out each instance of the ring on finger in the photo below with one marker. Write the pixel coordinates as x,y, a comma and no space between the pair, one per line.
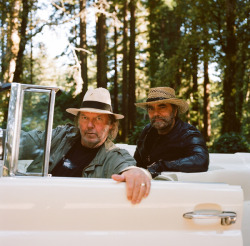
143,184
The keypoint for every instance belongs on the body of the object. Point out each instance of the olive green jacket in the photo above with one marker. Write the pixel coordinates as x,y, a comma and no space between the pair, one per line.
109,160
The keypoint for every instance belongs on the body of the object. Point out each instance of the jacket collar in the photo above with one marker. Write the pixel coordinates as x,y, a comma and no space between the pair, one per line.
98,159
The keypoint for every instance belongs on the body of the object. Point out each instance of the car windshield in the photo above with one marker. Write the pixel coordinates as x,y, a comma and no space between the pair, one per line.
30,115
33,121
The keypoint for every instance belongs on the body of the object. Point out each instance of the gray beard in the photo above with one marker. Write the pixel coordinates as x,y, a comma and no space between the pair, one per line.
165,124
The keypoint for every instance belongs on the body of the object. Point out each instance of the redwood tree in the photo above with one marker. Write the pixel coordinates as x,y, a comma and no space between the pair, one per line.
101,51
13,41
125,72
131,94
83,45
230,123
26,7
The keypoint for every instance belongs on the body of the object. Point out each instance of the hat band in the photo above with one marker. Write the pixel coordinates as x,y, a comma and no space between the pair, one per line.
156,99
96,105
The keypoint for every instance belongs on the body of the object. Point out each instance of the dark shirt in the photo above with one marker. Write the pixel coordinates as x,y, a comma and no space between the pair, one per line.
183,149
73,163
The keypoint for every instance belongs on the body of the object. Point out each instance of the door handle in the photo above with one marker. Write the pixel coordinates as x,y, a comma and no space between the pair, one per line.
227,217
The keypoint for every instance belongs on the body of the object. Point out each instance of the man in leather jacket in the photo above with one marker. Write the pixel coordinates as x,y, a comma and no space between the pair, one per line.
168,144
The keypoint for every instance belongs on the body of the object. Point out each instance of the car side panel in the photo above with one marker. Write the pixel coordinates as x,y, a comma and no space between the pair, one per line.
65,210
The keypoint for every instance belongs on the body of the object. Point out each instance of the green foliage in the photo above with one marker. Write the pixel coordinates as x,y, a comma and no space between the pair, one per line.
230,143
140,124
246,122
134,135
170,36
4,99
35,108
63,101
216,100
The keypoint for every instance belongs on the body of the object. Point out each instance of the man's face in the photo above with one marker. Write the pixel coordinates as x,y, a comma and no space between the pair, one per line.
94,128
162,116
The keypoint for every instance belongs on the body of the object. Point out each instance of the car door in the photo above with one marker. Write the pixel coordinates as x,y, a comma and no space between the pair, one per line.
59,211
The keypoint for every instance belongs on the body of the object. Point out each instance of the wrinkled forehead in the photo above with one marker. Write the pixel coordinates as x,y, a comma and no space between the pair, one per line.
109,117
88,113
93,114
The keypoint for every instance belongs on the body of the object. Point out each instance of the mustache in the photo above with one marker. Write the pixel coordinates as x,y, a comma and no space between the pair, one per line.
158,118
90,132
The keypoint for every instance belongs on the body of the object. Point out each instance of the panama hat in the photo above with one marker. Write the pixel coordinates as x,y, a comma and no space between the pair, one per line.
164,95
96,101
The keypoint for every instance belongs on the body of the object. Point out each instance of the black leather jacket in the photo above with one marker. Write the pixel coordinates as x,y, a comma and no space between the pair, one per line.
183,149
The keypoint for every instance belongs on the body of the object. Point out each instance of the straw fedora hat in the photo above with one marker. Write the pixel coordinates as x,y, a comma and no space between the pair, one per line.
164,95
96,101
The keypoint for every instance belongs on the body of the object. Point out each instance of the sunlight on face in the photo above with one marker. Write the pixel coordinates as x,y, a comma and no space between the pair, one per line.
94,128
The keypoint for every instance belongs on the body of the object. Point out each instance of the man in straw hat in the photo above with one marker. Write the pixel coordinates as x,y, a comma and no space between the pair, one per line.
87,150
168,144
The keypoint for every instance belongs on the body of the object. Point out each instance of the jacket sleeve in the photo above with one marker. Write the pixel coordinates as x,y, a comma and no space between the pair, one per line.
138,158
31,144
117,161
196,158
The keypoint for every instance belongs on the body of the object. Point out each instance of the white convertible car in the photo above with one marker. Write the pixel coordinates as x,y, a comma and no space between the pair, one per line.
196,209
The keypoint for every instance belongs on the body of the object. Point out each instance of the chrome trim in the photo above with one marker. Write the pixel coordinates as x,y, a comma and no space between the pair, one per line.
227,217
49,133
10,155
14,127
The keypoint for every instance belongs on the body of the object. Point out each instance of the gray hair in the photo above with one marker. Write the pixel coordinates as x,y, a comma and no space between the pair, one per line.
112,121
115,126
175,108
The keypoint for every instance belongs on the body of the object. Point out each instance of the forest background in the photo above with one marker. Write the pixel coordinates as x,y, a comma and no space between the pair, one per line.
129,46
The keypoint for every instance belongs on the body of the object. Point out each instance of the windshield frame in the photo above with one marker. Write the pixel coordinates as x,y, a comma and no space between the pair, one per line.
13,131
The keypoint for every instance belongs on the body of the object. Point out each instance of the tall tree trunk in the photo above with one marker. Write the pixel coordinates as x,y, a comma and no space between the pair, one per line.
13,41
115,101
242,83
132,110
230,121
195,103
23,36
125,73
83,45
31,51
206,104
3,34
176,40
153,64
101,51
194,66
206,89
